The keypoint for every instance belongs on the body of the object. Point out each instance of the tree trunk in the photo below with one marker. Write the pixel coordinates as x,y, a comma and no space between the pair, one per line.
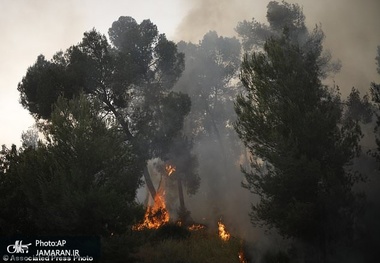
183,214
129,137
149,182
180,194
218,137
220,141
120,119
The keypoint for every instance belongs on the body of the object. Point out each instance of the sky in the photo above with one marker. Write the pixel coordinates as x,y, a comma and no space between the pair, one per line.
29,28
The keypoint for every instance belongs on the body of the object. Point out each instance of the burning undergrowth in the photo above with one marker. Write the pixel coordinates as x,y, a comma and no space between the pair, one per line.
175,243
156,215
172,238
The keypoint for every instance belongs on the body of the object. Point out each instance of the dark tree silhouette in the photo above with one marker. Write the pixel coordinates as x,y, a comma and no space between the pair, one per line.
132,77
82,181
300,145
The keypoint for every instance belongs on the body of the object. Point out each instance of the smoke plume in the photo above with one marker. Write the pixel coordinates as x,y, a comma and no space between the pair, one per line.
351,28
352,36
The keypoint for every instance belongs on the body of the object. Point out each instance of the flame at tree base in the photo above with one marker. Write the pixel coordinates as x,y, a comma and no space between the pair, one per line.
223,233
156,215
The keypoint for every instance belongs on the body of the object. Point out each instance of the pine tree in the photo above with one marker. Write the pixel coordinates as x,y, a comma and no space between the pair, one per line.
300,145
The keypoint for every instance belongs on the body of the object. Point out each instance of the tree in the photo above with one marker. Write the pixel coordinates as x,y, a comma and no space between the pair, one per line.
359,109
367,234
13,202
211,80
30,138
290,16
284,16
83,181
300,145
211,67
132,77
185,172
375,95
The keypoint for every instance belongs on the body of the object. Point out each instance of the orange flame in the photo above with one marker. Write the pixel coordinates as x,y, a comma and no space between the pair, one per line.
170,169
241,257
223,233
195,227
156,215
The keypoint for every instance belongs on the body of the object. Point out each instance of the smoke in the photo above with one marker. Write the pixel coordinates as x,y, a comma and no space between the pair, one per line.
351,28
352,36
221,16
221,197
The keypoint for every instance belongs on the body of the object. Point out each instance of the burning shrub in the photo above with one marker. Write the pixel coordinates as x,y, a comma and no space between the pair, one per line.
223,233
156,215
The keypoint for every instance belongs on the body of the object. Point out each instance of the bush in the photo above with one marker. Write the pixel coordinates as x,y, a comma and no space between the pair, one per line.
171,231
199,247
119,248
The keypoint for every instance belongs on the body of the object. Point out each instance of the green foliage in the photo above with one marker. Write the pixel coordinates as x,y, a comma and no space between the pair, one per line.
13,202
359,109
285,18
186,164
30,138
171,231
43,82
160,136
200,247
375,96
120,248
210,79
300,145
279,15
211,65
82,182
132,78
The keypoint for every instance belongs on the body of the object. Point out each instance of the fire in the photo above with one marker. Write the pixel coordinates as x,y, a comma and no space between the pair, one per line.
156,215
241,256
195,227
223,233
170,169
